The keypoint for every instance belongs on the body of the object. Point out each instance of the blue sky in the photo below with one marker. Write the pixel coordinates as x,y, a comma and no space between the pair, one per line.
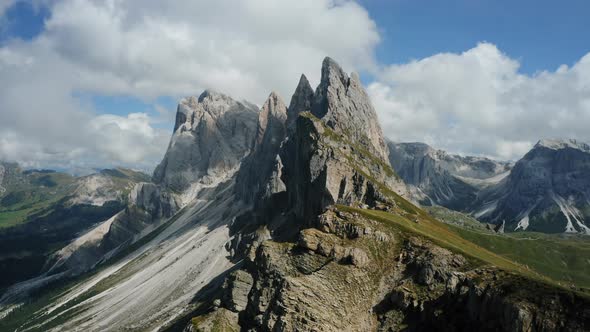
483,77
543,34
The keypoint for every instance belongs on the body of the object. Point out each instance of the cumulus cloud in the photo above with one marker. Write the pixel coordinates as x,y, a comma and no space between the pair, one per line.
149,48
477,102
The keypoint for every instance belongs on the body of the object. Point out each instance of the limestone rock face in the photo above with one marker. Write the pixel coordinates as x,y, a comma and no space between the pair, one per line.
323,168
300,101
237,287
546,191
335,153
439,178
260,175
152,199
343,104
211,135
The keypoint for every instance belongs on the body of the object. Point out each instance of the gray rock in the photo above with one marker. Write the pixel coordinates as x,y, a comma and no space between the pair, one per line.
237,287
439,178
336,153
212,134
300,101
546,191
358,257
342,103
152,199
260,175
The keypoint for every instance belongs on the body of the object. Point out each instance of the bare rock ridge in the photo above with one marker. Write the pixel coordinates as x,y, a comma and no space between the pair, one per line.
337,152
327,275
343,104
546,191
211,135
439,178
259,176
300,101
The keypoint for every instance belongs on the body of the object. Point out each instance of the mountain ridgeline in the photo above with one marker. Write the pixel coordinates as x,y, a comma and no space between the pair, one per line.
290,218
547,191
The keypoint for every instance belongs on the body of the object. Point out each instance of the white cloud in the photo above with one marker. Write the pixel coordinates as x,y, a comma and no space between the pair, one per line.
473,102
151,48
477,102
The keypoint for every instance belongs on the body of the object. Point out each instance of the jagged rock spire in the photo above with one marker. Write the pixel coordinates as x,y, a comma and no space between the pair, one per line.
300,101
212,134
342,103
259,176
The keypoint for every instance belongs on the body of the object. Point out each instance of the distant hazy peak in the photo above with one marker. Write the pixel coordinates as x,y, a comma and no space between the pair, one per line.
558,144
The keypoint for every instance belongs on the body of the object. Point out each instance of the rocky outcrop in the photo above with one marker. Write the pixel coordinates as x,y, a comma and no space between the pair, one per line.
260,175
153,200
439,178
335,279
324,167
236,288
436,285
547,191
300,101
336,153
343,105
212,134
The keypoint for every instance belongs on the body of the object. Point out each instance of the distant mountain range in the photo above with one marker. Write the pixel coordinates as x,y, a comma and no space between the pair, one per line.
548,190
42,211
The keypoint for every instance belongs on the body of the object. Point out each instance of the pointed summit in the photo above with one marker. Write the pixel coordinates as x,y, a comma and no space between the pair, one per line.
259,177
300,101
272,115
342,103
211,135
332,72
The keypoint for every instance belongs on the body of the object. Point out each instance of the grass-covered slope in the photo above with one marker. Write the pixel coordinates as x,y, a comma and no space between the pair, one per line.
33,192
42,211
557,261
563,258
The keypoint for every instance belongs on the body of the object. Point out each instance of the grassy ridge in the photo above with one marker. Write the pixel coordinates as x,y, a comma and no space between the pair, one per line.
534,258
566,261
443,236
563,258
32,196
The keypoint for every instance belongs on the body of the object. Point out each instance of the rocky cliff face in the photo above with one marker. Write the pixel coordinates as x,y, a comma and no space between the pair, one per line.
211,135
439,178
548,190
260,175
343,105
336,153
300,101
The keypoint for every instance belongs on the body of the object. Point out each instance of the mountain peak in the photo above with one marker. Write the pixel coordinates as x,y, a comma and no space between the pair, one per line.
212,133
343,104
211,94
558,144
259,176
303,83
300,101
331,71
